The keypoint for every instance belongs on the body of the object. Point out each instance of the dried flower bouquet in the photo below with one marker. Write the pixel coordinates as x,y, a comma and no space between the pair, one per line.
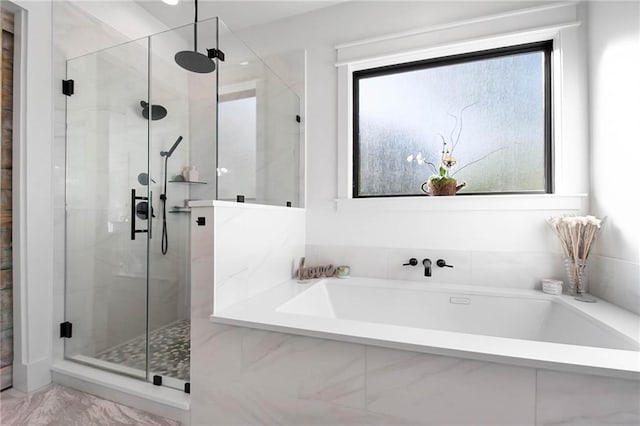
576,234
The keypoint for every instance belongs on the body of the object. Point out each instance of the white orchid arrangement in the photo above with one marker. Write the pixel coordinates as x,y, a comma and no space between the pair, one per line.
447,160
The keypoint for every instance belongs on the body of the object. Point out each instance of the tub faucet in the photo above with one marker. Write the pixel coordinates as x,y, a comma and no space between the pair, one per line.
427,267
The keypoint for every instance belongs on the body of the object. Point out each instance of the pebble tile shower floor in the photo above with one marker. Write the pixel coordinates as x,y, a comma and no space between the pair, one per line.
168,347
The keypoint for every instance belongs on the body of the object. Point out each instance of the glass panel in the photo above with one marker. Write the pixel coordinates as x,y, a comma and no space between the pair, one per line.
490,112
107,144
189,99
259,150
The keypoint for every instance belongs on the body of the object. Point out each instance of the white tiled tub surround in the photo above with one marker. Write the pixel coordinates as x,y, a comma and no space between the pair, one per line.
244,376
248,376
519,327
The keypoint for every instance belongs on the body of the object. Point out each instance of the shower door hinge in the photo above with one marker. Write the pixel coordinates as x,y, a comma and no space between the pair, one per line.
298,118
187,387
67,87
65,329
215,53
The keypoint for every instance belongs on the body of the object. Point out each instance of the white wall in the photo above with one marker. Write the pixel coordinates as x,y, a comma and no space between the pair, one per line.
33,201
520,231
614,90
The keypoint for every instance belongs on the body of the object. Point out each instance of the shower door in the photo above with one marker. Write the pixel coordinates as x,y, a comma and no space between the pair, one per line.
107,205
127,288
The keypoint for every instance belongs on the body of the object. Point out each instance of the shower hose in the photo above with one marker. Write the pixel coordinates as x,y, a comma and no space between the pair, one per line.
163,198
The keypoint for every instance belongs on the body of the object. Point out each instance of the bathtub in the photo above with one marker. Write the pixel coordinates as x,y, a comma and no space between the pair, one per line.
522,327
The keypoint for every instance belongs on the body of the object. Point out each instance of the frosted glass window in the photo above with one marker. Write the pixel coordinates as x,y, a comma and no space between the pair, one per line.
491,107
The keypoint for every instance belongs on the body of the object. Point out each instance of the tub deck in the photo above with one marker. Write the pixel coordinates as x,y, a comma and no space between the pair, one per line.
520,327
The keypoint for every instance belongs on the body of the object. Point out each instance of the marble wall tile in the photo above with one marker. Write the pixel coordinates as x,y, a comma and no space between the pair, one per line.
230,404
216,354
202,288
88,312
364,261
615,281
306,368
243,376
320,413
459,259
258,250
443,390
495,269
515,269
574,399
202,271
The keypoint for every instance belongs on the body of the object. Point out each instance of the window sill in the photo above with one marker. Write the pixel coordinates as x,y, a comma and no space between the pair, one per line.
571,203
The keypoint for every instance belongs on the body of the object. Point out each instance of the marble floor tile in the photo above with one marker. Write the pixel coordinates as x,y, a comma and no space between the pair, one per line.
57,406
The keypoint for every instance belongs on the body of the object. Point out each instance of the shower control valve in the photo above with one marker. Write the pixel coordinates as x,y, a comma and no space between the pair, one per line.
412,262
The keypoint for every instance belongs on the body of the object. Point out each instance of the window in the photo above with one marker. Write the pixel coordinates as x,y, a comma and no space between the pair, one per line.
492,108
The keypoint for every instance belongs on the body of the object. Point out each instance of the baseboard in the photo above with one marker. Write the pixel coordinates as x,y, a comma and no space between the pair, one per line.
31,377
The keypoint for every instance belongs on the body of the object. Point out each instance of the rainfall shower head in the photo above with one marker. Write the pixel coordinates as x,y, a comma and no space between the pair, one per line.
192,60
157,111
173,148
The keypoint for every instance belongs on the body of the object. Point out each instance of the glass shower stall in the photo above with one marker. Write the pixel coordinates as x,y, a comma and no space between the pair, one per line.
144,136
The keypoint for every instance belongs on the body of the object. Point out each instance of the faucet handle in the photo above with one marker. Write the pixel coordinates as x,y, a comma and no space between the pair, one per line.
412,262
443,263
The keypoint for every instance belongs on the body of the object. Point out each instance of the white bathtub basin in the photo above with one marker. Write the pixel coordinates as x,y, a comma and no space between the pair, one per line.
530,318
522,327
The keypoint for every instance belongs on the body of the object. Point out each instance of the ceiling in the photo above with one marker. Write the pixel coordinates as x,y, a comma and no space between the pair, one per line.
235,14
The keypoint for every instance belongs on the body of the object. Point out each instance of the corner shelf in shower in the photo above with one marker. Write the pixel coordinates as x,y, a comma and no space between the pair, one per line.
188,181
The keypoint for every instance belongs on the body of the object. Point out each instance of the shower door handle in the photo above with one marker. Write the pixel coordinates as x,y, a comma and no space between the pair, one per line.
134,197
150,215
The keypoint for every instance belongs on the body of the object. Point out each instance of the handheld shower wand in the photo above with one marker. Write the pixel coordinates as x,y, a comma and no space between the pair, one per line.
163,196
173,148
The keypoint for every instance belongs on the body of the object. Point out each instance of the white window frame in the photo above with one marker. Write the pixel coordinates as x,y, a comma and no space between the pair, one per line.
558,22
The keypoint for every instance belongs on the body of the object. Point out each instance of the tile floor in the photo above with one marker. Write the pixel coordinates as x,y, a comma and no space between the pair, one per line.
168,347
61,406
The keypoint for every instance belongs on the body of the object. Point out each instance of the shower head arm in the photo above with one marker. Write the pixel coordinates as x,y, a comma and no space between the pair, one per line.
173,148
195,29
